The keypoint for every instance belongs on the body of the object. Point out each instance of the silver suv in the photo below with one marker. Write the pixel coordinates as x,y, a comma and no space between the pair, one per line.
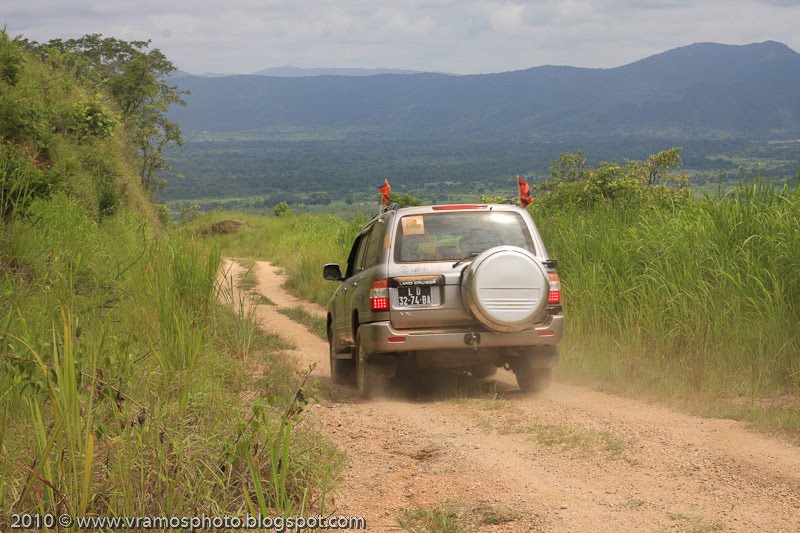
448,286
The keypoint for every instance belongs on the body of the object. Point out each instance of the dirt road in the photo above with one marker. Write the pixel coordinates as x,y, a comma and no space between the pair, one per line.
572,459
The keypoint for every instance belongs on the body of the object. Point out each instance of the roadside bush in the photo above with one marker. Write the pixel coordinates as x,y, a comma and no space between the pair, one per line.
11,59
574,183
404,200
20,182
53,137
88,119
282,210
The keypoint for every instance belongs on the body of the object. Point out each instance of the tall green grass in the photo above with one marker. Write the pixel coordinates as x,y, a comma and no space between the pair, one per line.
301,244
124,387
17,188
702,297
123,383
695,300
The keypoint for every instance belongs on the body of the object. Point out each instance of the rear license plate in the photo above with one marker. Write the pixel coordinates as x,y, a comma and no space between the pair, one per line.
413,296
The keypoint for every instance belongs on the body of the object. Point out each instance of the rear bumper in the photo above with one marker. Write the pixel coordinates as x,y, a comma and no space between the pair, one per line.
376,337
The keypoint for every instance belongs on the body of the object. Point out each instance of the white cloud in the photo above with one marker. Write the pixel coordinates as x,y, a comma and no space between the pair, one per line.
440,35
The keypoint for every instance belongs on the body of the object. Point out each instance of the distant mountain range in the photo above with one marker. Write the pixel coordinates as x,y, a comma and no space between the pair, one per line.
702,91
297,72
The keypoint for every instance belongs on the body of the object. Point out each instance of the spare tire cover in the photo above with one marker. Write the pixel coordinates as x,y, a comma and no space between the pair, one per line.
505,288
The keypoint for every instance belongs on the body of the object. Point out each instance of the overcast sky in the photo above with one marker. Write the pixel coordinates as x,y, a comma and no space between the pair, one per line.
458,36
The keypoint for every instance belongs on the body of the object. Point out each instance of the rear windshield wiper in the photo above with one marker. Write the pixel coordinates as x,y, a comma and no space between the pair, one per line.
470,256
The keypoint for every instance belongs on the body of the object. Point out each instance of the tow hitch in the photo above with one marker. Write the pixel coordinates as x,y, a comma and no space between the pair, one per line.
473,339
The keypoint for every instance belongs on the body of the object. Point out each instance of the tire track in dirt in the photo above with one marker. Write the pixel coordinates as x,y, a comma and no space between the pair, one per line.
572,459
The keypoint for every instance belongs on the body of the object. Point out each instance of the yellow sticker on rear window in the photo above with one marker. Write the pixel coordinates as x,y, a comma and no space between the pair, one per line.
414,225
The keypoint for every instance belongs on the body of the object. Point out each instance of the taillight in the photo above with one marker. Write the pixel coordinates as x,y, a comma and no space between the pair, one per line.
555,289
379,295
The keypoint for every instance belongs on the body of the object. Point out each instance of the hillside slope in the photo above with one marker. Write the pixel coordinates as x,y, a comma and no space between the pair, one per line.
704,91
123,385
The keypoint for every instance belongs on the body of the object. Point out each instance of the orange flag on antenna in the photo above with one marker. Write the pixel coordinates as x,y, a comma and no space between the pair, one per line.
386,190
524,192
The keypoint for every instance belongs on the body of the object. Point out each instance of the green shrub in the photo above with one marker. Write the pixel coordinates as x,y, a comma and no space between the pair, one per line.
404,200
282,210
20,182
88,119
574,183
11,60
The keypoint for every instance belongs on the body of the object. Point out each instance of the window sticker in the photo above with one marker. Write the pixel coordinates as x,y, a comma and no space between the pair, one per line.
413,225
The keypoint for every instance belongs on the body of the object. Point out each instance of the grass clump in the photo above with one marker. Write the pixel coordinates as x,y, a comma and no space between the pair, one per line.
247,279
586,441
633,504
442,519
471,391
262,299
696,524
314,324
446,518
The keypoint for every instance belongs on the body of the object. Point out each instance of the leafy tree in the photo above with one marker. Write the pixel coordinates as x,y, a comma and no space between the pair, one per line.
489,199
282,210
575,183
404,200
570,167
654,169
135,77
10,60
611,182
152,133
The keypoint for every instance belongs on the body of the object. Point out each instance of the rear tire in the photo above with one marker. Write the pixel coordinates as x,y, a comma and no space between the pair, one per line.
368,384
530,379
341,369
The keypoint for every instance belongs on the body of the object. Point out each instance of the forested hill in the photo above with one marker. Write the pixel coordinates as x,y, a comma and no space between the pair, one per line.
296,72
701,91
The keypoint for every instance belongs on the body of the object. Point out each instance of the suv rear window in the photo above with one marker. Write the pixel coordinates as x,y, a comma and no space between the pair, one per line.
454,236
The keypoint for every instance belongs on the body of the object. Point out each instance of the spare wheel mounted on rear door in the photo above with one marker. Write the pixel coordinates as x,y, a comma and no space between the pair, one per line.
505,288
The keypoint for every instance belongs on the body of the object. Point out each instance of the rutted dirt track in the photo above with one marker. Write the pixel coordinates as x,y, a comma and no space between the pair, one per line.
572,459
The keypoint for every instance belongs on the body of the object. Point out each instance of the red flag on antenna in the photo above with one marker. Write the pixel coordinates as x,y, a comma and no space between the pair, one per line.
386,190
524,192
